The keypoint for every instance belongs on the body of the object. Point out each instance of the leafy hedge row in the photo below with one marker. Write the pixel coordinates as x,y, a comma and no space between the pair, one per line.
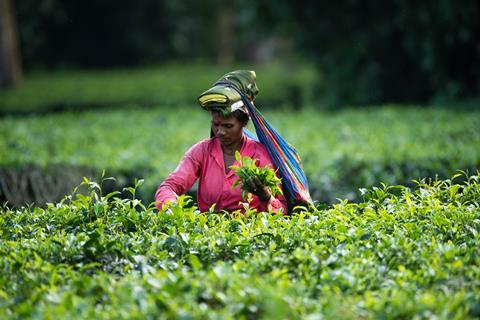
341,151
400,253
169,85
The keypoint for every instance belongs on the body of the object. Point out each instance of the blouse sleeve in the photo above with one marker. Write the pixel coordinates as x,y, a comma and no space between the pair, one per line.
182,178
278,203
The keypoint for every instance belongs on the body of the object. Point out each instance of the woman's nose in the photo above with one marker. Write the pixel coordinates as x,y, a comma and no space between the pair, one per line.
220,132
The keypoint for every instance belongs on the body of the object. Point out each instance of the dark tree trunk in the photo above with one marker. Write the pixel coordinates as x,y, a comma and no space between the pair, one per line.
226,34
10,61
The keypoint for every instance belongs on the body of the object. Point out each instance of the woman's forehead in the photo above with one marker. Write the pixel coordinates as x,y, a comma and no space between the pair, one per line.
218,118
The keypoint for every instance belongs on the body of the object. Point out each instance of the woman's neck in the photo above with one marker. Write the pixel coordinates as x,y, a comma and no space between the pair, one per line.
231,148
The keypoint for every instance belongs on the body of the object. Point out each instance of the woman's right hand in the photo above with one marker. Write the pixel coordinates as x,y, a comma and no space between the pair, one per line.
255,187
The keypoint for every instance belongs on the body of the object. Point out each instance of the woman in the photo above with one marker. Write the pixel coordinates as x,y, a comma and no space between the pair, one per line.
209,160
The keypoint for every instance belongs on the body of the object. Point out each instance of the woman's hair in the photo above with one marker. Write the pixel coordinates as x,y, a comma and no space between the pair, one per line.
241,116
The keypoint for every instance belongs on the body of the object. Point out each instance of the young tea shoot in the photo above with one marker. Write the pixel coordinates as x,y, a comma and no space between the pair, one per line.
247,169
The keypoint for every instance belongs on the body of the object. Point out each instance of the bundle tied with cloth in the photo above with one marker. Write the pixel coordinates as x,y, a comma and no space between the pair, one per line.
225,99
236,91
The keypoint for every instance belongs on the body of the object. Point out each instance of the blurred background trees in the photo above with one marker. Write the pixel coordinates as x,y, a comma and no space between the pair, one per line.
10,60
367,52
396,51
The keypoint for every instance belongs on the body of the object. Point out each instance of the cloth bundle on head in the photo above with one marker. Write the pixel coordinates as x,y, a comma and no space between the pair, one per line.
236,90
223,98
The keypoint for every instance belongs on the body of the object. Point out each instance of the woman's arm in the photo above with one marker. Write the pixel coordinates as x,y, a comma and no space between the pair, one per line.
182,178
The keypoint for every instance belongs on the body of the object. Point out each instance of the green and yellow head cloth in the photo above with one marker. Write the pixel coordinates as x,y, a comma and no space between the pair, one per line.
224,99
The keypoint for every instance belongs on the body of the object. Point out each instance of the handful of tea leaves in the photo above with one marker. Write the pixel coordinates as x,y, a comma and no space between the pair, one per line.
247,168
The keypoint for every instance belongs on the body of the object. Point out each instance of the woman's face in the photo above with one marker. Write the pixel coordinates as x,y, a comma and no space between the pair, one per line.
227,129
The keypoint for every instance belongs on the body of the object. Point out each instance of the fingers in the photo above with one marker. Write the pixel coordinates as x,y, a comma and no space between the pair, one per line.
251,185
262,191
257,182
254,185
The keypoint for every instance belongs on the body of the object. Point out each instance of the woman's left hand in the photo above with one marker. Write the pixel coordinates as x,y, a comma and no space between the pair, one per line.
256,187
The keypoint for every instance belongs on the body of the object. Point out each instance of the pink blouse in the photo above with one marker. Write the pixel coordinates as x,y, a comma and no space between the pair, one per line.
204,161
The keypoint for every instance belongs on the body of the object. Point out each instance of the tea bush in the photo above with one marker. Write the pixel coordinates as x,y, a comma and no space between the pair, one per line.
400,253
341,151
168,85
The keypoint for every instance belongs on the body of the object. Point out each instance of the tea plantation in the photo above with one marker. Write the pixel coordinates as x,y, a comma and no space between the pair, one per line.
43,157
394,233
408,253
170,84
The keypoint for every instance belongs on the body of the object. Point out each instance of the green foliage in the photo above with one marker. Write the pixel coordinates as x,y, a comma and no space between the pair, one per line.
392,51
247,168
146,32
341,152
401,253
375,52
169,85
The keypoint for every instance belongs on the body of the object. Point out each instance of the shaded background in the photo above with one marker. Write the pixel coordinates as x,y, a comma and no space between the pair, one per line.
58,56
368,52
